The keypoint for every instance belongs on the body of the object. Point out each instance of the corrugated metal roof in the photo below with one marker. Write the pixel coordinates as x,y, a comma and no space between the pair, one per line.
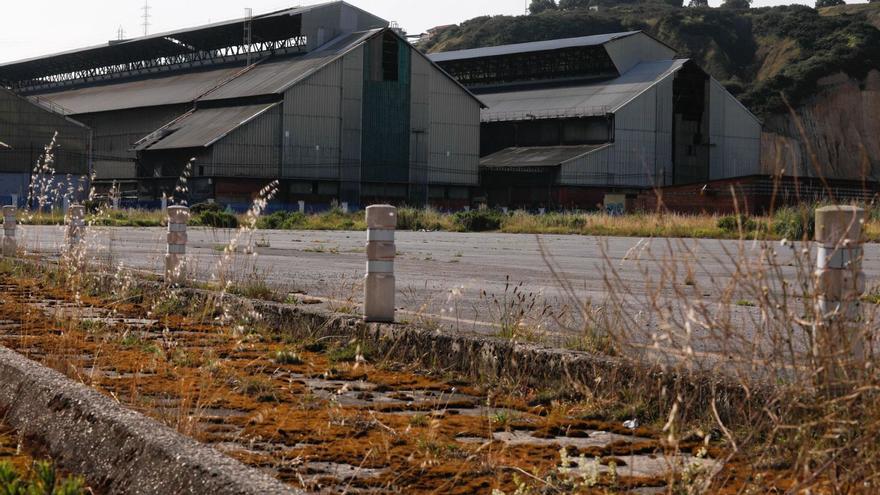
537,46
201,128
536,157
170,90
275,77
270,77
584,100
162,37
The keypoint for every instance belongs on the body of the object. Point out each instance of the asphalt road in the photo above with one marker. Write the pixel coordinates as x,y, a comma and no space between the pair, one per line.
482,282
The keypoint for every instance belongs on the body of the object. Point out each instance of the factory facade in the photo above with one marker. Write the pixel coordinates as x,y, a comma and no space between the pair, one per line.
327,99
338,106
596,120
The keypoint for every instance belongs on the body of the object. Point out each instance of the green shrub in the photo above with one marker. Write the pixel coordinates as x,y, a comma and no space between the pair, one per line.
795,222
43,481
732,223
478,221
216,219
199,208
282,220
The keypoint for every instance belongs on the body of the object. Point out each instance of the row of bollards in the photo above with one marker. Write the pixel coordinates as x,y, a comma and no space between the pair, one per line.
839,342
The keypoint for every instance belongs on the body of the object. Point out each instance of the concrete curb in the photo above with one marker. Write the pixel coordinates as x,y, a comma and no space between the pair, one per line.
117,450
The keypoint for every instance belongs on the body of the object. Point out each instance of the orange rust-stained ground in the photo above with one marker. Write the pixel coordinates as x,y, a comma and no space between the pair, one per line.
229,389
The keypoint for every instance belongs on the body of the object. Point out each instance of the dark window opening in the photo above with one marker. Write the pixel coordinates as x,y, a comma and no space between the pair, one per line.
497,136
566,64
390,57
691,150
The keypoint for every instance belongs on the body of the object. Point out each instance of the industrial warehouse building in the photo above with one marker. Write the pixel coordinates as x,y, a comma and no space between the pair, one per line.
326,98
26,128
599,119
339,107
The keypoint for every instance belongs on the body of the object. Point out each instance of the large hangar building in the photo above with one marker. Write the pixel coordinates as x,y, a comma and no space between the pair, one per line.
27,127
596,120
326,98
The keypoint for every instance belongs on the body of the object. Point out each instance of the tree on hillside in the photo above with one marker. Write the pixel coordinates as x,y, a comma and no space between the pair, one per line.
736,4
829,3
539,6
699,3
574,4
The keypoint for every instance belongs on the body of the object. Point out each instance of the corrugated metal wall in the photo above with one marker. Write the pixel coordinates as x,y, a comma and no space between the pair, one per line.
454,154
116,132
352,123
420,123
735,136
629,51
252,150
663,167
386,134
312,125
27,128
642,150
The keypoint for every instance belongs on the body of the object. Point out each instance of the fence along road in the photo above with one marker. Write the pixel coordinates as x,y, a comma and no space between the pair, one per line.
444,276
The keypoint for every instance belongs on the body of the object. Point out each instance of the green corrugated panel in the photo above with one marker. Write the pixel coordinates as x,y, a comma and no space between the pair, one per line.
386,130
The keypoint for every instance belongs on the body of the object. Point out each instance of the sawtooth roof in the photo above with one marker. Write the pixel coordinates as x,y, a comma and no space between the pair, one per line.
582,100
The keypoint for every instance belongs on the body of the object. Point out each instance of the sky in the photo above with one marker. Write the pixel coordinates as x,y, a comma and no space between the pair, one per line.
30,28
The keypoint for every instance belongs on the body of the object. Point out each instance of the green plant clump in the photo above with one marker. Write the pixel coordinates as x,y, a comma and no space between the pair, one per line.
478,220
733,223
795,223
43,480
216,219
282,220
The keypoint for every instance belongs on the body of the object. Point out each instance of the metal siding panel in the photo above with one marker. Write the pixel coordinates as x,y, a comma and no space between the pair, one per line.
27,128
116,132
634,156
735,135
352,116
252,150
663,164
420,119
588,170
454,152
313,124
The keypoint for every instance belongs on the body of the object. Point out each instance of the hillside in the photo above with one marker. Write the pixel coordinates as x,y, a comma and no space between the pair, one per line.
774,59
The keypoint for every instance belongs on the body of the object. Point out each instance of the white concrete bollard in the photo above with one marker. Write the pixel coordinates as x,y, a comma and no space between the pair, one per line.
344,208
65,205
542,211
505,209
839,338
10,246
467,208
379,289
302,207
115,202
178,217
76,226
164,202
15,200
